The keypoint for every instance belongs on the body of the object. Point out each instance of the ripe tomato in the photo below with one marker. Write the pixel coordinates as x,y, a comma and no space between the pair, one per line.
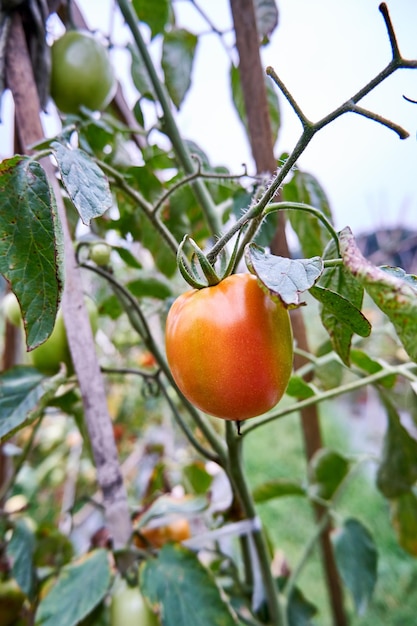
81,73
229,348
128,607
177,530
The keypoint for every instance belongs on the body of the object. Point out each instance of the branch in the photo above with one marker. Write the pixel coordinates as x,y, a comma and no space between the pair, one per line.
169,124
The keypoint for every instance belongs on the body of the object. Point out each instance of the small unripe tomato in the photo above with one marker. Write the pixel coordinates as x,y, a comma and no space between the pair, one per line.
55,350
11,309
11,602
81,73
100,253
230,348
129,608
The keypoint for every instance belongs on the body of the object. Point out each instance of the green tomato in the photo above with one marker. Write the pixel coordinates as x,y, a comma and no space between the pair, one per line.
11,602
55,350
100,253
128,607
11,309
81,73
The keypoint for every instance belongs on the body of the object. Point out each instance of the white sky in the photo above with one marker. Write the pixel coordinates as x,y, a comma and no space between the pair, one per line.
324,51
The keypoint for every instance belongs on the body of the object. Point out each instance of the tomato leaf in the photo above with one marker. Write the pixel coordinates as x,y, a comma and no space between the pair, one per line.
166,506
370,366
278,488
300,610
85,183
140,75
20,554
397,472
398,272
285,278
356,559
273,102
155,14
299,388
338,279
342,309
197,477
266,14
177,573
24,393
79,588
396,297
150,286
177,62
31,245
127,257
328,468
404,521
311,233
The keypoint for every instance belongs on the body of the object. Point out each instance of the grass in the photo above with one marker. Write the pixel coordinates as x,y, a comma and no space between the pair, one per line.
276,451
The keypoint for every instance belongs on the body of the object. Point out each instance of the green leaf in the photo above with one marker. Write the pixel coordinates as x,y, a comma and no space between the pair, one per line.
165,506
357,560
79,588
343,310
299,388
155,14
396,297
278,488
127,257
85,183
341,281
266,14
112,307
398,272
273,102
397,472
176,573
197,477
20,554
404,521
285,278
140,75
328,468
177,62
148,285
370,366
31,245
24,394
300,610
311,233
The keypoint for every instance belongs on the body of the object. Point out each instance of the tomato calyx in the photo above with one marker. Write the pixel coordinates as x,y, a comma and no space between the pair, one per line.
200,272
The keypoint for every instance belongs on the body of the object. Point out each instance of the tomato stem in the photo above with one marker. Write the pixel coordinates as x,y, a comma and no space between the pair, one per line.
404,369
236,473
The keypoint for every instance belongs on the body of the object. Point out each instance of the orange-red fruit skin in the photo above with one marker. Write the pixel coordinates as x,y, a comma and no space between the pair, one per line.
230,348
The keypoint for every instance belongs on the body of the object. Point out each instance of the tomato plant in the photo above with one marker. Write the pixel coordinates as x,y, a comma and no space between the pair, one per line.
229,348
125,181
81,73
